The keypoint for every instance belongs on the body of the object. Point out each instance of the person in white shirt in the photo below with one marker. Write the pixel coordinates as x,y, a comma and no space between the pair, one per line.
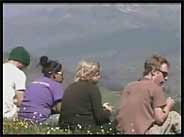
14,81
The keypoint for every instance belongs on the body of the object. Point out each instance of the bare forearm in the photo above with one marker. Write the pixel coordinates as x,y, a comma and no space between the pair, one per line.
57,108
18,101
165,112
18,98
167,109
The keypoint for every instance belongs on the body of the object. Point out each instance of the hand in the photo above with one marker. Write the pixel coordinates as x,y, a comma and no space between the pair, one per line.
15,101
170,102
107,107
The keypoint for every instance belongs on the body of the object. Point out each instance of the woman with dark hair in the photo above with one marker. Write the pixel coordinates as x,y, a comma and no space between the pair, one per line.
43,96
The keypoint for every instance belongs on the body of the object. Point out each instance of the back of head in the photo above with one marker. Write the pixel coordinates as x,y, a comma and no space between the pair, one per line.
154,63
21,55
49,66
87,70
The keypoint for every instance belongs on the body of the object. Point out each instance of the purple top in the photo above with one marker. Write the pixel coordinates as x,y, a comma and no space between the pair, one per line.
39,98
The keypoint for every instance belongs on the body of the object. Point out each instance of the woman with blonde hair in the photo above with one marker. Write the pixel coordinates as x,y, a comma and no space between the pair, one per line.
82,103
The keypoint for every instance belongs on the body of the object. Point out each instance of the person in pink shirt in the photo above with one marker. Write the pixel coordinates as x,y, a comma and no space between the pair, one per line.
143,108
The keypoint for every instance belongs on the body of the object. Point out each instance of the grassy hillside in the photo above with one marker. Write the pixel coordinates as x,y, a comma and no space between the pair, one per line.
110,96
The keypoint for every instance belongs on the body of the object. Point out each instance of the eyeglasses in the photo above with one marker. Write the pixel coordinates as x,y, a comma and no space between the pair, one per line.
60,73
165,74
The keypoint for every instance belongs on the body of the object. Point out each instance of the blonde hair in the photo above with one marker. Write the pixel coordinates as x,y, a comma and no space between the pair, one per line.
87,70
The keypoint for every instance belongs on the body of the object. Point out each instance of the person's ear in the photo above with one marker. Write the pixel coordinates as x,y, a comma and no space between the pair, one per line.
153,72
53,76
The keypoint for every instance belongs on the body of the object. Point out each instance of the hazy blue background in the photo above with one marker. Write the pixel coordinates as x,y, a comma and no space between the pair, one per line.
120,36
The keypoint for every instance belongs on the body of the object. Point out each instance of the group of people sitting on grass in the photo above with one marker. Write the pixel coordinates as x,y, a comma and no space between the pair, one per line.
143,108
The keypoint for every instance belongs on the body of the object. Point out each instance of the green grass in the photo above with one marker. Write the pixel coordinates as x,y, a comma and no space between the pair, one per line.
110,96
21,127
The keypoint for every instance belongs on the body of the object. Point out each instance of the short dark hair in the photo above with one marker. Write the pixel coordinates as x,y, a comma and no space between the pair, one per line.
49,66
154,63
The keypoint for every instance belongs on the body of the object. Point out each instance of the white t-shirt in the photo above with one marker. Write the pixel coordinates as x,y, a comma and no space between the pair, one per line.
13,79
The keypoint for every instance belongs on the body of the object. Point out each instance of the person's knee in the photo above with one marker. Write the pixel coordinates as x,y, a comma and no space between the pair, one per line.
175,118
174,114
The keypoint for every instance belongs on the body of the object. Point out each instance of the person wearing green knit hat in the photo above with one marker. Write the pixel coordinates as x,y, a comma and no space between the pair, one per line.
21,55
14,81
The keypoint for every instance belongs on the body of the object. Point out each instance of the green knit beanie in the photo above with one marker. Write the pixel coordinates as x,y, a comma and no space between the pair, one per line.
20,54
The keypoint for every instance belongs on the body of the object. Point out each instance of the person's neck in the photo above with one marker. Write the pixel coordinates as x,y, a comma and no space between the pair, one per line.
15,63
148,76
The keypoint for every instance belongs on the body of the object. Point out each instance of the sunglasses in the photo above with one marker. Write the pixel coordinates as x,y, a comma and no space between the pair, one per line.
165,74
60,73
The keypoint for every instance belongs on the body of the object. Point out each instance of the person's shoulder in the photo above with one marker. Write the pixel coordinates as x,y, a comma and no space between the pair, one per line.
89,85
19,72
50,82
9,66
147,82
5,64
132,83
140,83
72,86
82,83
92,84
151,85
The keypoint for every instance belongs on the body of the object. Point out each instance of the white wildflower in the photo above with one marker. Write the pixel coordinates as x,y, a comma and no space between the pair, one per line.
79,126
57,128
48,132
52,128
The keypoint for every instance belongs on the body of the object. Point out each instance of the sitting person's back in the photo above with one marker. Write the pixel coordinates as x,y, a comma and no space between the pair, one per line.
44,94
82,103
135,113
38,100
143,108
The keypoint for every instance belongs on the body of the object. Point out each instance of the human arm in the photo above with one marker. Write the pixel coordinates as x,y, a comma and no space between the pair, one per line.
107,107
161,113
57,108
20,87
19,95
101,116
161,105
57,94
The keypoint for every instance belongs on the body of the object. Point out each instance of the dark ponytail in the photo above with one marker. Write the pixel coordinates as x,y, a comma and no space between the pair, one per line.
49,66
43,61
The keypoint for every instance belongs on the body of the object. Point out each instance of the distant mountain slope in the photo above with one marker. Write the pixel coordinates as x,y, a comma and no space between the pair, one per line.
120,36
